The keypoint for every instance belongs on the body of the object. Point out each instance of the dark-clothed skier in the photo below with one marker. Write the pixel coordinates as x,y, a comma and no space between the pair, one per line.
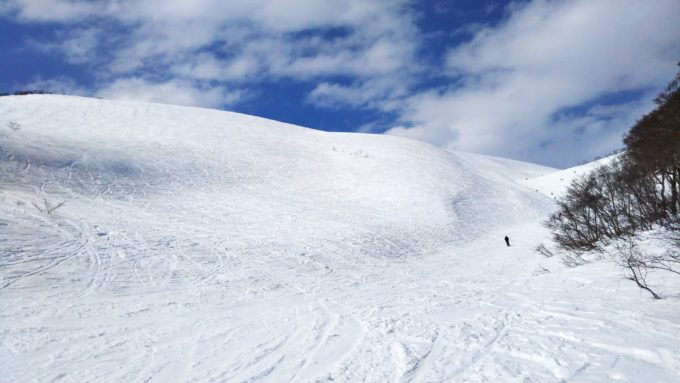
507,240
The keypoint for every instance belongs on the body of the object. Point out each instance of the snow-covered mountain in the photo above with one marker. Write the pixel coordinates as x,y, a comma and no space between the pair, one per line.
202,245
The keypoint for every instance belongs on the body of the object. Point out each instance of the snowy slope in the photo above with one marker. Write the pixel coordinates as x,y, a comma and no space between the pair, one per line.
200,245
555,184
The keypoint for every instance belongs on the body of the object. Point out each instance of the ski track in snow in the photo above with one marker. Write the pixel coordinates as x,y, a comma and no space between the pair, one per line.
198,245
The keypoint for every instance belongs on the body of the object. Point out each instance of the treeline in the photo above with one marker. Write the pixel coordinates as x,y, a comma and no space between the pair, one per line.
26,92
635,192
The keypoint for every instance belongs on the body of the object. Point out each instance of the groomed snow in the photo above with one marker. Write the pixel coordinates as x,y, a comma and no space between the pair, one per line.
201,245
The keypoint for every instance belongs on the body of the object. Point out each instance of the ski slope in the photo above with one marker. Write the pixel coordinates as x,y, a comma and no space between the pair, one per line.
555,184
198,245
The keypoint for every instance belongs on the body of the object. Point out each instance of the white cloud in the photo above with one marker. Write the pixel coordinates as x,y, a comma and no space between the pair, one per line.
78,46
546,57
49,10
170,92
63,85
585,136
375,37
205,66
381,93
232,42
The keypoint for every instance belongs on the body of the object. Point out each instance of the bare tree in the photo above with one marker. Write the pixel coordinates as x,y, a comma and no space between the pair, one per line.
654,143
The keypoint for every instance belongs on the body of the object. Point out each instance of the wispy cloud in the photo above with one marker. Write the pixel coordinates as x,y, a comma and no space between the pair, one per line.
190,42
170,92
61,84
513,80
50,10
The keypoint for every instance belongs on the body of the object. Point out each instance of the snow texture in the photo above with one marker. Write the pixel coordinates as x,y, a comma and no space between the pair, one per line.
198,245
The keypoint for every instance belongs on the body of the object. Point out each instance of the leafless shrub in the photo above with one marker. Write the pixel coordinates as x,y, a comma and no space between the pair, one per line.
637,265
47,207
544,251
670,259
14,125
572,258
613,201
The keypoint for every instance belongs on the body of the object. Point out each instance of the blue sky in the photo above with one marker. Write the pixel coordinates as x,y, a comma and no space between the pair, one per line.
551,82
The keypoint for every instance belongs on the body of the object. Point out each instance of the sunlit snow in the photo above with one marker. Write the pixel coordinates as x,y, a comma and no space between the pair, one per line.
201,245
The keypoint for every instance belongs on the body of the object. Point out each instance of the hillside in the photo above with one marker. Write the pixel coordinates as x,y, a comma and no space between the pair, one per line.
555,184
202,245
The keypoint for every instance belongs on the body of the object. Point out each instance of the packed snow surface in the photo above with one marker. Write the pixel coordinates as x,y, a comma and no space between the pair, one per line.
198,245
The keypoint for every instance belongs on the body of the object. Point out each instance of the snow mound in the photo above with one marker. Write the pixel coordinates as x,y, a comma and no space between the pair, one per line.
158,170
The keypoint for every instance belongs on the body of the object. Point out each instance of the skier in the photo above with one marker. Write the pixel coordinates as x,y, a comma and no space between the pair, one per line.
507,240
